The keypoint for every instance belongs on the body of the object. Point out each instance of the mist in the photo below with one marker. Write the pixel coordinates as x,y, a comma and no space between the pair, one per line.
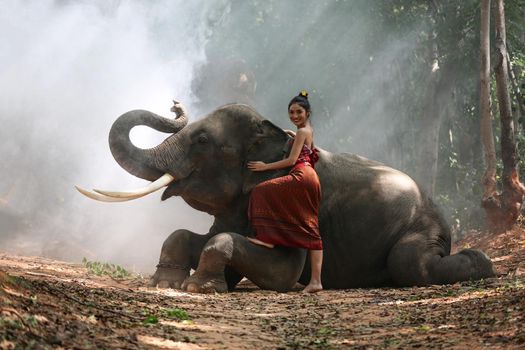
70,68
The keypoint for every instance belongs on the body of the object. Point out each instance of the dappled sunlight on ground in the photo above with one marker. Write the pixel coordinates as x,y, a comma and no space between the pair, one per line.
63,305
166,343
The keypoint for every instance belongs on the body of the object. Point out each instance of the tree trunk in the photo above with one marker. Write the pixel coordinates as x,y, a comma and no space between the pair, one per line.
506,207
487,139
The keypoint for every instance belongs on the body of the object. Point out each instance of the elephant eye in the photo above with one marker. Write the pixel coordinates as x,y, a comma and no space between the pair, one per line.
203,139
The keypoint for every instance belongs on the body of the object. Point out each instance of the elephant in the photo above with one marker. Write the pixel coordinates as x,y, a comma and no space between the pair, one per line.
377,226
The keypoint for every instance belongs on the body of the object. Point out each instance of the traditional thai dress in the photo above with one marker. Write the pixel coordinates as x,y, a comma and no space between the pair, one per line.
284,211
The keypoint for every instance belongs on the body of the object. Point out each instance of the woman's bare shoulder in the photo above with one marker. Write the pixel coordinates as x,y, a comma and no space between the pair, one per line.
306,131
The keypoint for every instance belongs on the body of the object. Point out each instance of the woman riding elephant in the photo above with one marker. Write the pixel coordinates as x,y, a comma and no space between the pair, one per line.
378,227
284,211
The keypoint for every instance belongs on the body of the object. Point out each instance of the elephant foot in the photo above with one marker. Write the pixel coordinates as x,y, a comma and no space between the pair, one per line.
168,276
196,284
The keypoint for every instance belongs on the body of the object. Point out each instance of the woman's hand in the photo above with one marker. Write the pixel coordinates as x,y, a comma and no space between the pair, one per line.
290,132
257,166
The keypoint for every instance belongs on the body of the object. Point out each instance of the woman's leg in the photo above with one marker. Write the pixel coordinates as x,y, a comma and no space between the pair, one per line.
316,263
258,242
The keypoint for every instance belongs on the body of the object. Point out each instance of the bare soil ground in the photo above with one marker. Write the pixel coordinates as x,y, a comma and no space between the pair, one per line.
47,304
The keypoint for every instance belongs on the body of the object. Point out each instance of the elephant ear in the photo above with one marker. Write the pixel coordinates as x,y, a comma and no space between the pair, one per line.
269,143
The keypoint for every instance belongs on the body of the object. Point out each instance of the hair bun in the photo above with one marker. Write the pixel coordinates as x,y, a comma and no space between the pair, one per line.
304,93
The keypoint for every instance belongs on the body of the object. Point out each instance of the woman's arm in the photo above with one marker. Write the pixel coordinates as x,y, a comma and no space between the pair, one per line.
290,132
298,142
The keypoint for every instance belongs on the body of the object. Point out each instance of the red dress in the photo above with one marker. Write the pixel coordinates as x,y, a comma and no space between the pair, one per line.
284,211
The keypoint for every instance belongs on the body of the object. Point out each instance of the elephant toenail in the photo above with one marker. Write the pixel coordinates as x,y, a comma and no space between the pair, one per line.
192,288
163,284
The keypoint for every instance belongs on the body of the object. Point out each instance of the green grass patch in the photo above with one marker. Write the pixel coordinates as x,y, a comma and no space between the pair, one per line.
422,328
100,269
10,323
177,314
324,331
150,320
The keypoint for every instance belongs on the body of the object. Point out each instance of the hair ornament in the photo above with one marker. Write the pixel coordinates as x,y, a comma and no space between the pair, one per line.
301,100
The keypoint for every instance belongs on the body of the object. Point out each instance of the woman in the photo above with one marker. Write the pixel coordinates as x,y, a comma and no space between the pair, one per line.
284,211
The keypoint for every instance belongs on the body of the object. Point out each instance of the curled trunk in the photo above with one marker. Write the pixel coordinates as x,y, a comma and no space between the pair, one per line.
140,162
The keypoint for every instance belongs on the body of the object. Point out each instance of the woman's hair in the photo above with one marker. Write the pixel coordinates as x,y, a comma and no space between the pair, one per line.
301,100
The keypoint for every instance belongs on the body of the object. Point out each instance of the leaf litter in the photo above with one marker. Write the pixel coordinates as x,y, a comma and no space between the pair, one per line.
52,304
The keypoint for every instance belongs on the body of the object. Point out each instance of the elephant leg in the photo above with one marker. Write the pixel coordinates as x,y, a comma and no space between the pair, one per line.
180,252
468,264
415,261
275,269
232,277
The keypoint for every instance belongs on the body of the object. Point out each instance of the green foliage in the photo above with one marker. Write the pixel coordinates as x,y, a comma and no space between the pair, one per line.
368,63
150,320
322,343
178,314
13,280
325,331
31,320
10,323
174,314
423,328
458,189
520,141
100,269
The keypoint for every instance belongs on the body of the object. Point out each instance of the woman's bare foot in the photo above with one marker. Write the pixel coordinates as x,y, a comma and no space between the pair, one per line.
264,244
313,288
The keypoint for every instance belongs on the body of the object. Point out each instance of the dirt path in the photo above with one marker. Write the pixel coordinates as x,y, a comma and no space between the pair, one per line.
52,304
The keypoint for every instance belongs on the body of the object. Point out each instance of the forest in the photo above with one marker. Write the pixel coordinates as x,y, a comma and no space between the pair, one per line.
407,85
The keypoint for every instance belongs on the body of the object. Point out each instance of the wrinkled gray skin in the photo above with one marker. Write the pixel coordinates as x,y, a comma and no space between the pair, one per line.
378,228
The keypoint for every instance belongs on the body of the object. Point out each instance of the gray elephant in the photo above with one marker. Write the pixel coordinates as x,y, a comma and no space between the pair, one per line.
377,226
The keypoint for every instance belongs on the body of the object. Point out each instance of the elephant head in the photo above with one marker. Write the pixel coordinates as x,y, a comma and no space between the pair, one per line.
203,162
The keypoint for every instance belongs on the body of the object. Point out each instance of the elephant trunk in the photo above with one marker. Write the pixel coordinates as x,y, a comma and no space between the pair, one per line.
143,163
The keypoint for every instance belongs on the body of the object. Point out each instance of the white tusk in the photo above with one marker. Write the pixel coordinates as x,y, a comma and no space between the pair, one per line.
101,197
161,182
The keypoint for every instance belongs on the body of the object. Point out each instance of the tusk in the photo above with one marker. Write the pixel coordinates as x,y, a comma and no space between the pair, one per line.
161,182
100,197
